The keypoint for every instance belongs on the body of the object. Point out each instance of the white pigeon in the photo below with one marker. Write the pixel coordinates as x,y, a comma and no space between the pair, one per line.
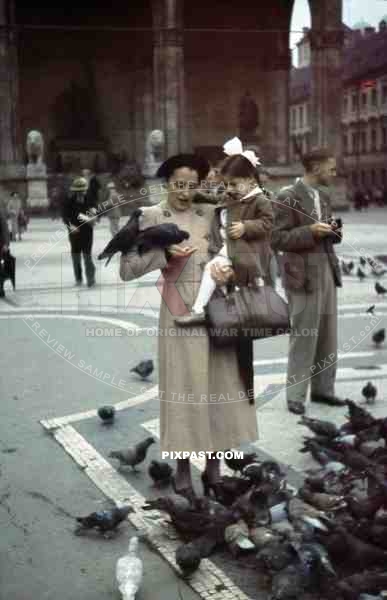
129,570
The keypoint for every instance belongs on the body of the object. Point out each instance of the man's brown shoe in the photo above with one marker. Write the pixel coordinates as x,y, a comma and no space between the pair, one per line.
329,400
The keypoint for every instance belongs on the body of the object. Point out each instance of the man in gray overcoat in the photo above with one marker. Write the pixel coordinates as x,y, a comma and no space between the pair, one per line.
304,233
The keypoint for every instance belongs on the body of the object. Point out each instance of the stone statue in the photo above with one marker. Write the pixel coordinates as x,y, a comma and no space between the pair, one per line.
248,116
35,147
154,152
36,170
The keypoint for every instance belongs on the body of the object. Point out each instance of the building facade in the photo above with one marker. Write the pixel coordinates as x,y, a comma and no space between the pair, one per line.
363,106
96,79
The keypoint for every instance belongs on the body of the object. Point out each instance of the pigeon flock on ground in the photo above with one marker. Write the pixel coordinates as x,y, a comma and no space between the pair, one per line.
326,540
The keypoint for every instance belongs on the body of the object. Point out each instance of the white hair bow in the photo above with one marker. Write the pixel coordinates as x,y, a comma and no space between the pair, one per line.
234,146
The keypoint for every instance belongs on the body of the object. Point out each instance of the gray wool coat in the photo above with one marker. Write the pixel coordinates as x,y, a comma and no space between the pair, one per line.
204,403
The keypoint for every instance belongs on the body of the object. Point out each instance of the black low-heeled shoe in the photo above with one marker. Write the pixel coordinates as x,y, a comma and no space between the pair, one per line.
209,487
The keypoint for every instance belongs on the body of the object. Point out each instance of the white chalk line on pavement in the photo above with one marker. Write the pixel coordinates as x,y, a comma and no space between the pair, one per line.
284,359
82,416
208,580
146,312
111,320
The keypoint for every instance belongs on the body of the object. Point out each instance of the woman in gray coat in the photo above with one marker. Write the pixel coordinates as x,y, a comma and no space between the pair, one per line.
204,401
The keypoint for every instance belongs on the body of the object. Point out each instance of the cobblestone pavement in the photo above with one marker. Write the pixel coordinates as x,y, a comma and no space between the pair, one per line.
54,370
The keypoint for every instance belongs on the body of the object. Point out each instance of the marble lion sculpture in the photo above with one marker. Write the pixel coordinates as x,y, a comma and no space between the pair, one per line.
35,147
154,145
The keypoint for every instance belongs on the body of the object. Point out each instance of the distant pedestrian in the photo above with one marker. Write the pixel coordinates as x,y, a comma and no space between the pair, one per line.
78,216
4,243
113,210
16,216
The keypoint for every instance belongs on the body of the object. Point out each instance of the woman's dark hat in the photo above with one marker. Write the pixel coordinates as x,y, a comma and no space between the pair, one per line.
191,161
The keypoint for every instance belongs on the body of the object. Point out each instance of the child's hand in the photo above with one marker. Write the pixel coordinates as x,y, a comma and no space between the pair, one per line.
236,230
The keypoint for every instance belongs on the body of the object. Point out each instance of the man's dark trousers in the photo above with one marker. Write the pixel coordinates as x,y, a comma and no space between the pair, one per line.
81,242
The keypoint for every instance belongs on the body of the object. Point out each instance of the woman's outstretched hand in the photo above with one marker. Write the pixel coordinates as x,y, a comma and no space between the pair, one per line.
222,275
180,252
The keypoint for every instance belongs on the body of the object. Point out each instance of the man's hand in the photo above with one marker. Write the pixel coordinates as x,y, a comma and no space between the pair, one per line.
236,230
179,251
321,230
72,228
222,275
83,218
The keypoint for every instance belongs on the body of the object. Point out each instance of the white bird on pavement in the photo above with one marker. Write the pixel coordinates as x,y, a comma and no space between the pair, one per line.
129,571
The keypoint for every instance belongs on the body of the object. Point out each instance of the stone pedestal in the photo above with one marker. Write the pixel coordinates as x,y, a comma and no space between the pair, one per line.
150,168
37,196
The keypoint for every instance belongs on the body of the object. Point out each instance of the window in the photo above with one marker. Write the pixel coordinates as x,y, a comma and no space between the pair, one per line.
373,140
363,177
363,141
293,119
383,176
374,97
355,101
345,105
355,142
301,116
364,99
306,115
373,176
384,93
354,177
384,138
345,143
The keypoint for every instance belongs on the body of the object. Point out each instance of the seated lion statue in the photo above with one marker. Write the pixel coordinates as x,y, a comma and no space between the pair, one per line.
154,146
35,147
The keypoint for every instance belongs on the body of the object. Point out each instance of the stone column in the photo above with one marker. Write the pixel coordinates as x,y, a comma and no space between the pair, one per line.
10,166
276,117
326,39
168,74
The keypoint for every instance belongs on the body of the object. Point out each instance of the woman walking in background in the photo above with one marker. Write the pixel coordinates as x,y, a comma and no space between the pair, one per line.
16,216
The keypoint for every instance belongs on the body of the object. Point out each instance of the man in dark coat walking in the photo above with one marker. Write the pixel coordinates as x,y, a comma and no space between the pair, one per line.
78,211
304,233
4,243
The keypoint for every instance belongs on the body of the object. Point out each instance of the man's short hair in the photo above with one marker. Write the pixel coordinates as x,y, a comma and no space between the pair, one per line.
315,157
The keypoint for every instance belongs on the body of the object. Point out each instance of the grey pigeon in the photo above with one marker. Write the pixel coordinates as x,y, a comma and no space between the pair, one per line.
124,239
133,456
106,414
379,337
369,392
144,368
104,521
130,237
187,557
379,289
160,472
